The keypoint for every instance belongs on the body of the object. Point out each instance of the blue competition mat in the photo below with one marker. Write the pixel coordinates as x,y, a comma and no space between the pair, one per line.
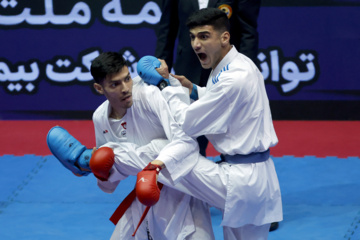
42,200
16,174
321,198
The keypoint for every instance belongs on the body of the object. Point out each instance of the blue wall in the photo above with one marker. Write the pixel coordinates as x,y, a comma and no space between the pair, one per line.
309,54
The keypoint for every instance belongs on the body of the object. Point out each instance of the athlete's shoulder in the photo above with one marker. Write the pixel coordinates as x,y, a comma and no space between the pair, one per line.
101,110
243,63
143,91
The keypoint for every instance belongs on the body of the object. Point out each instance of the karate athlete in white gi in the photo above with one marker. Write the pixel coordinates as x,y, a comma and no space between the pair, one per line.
136,112
233,113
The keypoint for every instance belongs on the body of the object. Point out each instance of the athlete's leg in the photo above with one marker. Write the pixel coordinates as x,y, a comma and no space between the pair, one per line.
247,232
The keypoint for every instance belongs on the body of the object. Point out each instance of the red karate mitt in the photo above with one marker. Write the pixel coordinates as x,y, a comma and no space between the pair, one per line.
147,189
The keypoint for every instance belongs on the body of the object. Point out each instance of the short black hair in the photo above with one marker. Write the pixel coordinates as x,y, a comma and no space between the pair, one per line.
209,16
106,63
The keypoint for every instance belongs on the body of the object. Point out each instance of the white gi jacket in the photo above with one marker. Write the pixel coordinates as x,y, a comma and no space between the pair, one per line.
176,215
150,118
233,113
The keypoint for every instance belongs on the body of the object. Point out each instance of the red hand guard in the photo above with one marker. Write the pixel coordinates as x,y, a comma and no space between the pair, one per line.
147,190
101,163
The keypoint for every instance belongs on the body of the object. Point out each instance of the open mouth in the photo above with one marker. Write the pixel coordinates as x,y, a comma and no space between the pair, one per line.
202,56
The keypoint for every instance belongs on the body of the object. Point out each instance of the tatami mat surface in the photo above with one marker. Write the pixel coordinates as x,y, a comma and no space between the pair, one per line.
42,200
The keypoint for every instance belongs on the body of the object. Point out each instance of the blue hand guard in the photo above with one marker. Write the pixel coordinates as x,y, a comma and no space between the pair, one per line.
146,68
69,151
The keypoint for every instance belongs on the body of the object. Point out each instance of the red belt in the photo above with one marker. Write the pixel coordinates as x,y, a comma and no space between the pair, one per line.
125,204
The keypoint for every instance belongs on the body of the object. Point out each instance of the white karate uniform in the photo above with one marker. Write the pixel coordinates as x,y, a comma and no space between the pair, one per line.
177,215
233,113
208,181
150,118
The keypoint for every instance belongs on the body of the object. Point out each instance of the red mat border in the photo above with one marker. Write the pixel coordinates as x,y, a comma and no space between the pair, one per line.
296,138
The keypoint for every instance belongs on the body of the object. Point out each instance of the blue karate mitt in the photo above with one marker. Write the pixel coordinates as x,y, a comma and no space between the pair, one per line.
69,151
146,68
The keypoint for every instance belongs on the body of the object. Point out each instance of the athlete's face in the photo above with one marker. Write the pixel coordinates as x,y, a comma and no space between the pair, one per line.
209,45
117,88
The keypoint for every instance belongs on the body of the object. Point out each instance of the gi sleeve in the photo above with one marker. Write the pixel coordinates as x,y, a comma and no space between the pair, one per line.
212,112
180,155
129,160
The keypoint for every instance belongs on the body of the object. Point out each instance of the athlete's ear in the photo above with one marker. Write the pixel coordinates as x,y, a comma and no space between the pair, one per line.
98,88
225,38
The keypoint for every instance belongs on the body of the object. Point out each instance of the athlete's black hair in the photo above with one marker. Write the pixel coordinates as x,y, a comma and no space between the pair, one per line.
106,63
209,16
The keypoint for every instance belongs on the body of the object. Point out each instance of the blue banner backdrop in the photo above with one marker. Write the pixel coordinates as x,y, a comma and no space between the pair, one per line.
307,52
